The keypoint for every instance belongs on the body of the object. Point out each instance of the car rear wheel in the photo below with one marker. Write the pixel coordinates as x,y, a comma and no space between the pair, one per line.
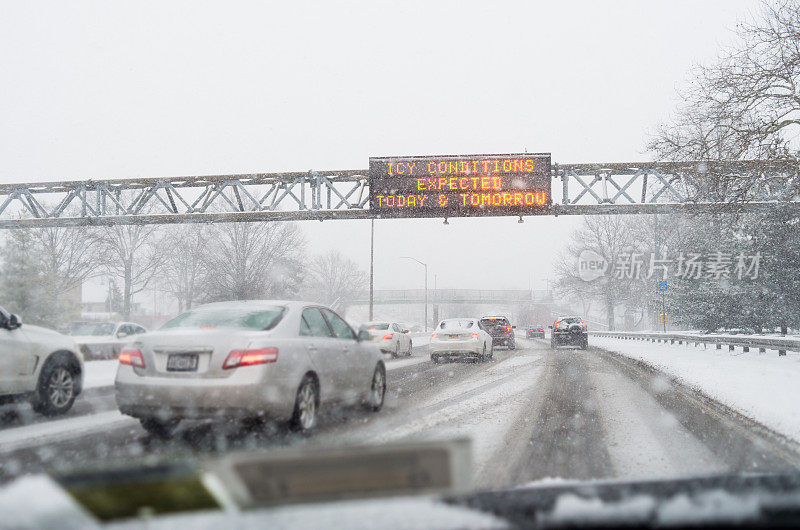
483,357
396,353
160,428
377,390
57,388
410,347
304,418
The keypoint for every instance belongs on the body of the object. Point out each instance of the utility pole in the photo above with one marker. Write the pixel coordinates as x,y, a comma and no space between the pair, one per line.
371,266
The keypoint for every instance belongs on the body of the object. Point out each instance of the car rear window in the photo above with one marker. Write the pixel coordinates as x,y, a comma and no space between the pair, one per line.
452,324
571,320
261,318
494,322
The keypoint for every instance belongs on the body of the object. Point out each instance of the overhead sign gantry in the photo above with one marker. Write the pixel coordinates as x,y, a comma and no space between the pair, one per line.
460,185
397,187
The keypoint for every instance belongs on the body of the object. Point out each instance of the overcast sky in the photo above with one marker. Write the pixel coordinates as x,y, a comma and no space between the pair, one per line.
118,89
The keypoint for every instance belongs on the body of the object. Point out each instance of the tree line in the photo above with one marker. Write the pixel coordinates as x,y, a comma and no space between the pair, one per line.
195,263
738,123
721,271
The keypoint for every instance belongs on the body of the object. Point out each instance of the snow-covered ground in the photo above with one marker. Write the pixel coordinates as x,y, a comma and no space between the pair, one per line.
39,433
483,408
761,386
99,373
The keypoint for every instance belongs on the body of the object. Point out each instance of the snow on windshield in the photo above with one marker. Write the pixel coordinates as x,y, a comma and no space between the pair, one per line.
343,226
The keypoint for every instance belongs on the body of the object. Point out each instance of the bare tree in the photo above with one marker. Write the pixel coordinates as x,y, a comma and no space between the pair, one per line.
131,253
50,261
67,257
334,279
608,236
746,106
246,261
184,248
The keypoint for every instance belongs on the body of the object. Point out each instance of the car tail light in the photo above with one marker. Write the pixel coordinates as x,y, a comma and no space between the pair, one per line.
583,324
131,357
508,328
388,336
555,325
474,335
238,358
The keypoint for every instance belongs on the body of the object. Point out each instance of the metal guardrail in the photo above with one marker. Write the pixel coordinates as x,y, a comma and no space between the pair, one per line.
745,342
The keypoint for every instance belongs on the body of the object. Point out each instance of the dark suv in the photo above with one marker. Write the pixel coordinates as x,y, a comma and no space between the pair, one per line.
501,331
569,331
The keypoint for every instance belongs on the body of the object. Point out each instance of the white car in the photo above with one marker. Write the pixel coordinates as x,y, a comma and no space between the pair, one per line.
103,340
389,337
248,360
460,338
38,364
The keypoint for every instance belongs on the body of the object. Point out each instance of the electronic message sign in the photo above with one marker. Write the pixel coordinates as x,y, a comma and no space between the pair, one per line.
460,185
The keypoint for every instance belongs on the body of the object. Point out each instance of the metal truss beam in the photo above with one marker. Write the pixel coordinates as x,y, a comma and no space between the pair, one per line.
578,189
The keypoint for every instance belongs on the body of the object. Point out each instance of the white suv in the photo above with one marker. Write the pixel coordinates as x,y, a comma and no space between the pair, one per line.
38,364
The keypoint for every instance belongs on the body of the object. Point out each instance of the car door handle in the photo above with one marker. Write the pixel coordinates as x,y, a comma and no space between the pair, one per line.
311,348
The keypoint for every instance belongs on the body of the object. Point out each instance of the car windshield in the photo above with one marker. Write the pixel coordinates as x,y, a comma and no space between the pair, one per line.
262,318
91,328
578,223
374,326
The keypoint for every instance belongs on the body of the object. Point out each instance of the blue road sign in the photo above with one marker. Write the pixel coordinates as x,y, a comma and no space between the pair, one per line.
662,285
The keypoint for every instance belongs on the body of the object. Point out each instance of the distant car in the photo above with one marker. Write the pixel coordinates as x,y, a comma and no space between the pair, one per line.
534,332
501,331
38,364
460,338
569,331
390,337
249,360
102,340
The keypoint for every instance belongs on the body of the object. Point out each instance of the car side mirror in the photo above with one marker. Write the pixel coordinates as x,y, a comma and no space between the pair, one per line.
550,327
14,321
363,335
513,327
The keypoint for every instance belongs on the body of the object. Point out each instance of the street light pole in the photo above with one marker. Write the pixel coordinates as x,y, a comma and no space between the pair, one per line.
426,287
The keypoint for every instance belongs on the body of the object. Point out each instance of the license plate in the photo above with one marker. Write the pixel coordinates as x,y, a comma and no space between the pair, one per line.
185,362
452,336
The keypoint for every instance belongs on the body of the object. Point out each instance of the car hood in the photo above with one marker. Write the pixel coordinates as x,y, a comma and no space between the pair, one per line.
38,330
48,336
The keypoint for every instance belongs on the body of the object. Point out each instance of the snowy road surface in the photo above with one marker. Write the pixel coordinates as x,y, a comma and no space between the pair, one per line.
532,414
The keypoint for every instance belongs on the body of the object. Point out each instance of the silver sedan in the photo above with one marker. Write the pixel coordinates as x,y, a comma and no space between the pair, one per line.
273,359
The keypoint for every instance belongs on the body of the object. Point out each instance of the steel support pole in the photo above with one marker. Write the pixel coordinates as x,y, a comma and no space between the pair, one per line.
371,266
426,297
